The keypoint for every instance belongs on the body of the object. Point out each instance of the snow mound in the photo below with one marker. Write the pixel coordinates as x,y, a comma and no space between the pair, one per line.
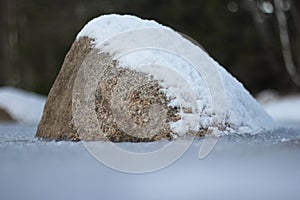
242,113
284,109
24,107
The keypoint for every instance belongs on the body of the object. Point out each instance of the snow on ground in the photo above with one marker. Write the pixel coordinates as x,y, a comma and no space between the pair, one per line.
239,167
285,109
23,106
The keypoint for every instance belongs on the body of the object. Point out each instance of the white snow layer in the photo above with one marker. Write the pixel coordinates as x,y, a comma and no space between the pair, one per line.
284,109
24,107
243,113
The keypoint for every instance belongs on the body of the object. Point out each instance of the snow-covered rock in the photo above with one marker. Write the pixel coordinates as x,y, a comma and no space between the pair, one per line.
22,106
114,61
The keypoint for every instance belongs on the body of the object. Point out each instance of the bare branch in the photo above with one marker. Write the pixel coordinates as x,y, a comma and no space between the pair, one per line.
285,43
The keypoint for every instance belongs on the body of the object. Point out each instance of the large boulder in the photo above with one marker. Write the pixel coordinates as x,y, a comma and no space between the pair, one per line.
112,85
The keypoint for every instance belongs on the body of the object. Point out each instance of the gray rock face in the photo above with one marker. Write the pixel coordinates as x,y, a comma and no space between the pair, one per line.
56,123
135,104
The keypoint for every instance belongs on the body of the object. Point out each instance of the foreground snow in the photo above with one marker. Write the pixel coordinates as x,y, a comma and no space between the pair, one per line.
239,167
24,107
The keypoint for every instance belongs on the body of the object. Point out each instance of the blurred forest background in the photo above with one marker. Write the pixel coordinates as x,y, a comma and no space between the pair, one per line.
258,41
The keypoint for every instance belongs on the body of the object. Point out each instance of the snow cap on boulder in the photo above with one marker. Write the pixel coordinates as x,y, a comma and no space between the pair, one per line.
129,79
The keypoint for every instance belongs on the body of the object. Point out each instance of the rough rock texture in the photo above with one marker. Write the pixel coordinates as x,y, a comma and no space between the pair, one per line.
136,104
5,117
58,123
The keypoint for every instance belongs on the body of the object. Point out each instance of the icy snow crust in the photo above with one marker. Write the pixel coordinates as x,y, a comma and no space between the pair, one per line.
237,168
24,107
243,113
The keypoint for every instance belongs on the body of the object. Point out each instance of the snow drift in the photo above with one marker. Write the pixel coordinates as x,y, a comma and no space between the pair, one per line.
22,106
